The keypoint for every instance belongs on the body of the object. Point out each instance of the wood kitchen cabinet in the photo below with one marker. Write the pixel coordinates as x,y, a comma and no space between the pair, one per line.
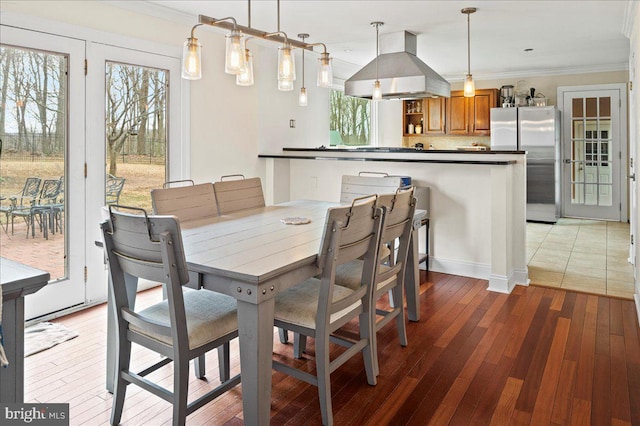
428,113
471,116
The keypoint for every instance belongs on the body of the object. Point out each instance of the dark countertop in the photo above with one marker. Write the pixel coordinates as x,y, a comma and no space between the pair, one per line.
399,150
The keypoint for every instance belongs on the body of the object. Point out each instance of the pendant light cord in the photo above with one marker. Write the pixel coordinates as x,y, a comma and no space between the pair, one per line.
468,45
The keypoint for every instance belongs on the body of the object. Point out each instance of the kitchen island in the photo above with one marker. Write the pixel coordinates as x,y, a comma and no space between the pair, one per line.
477,206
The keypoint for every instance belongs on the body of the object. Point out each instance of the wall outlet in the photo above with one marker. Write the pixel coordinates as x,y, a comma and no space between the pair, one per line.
292,124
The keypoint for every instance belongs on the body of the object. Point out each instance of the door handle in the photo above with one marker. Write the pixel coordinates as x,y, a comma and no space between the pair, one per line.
632,176
567,161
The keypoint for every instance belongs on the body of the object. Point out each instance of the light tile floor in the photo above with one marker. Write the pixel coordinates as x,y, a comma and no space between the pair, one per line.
582,255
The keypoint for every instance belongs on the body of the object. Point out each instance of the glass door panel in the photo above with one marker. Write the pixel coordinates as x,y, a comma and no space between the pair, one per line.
136,133
592,179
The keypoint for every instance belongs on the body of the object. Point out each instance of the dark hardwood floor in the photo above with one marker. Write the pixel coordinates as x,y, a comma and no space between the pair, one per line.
535,357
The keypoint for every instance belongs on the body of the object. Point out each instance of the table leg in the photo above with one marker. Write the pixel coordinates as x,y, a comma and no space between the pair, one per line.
412,279
255,331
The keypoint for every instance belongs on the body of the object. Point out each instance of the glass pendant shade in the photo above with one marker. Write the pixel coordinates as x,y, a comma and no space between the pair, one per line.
191,59
245,78
377,91
285,85
302,98
469,86
235,53
286,63
325,72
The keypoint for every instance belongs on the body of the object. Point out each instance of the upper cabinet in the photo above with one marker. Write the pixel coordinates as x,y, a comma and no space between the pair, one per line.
456,115
424,116
471,116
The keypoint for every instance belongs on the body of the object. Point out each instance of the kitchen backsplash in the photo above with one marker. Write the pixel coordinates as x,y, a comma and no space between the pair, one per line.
447,142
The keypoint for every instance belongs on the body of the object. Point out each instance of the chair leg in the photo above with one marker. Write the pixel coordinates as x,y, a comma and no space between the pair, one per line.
199,367
224,362
120,385
402,327
369,352
299,345
284,335
323,373
180,391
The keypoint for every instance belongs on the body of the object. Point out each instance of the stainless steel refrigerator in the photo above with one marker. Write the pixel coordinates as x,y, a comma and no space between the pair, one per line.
535,130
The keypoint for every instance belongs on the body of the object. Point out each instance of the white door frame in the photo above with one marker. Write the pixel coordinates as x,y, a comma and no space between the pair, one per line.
624,141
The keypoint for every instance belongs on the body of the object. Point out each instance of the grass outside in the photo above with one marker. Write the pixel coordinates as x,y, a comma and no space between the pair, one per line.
140,178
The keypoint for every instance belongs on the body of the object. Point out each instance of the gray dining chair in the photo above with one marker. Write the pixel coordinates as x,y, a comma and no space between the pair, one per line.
187,202
186,325
318,307
235,193
389,278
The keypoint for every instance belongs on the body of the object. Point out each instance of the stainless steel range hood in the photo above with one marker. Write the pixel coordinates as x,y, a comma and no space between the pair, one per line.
401,73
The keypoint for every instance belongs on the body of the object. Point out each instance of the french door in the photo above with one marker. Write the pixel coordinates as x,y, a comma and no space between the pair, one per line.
135,133
43,129
594,179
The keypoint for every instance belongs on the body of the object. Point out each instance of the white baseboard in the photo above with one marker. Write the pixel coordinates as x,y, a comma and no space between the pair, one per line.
456,267
637,297
498,283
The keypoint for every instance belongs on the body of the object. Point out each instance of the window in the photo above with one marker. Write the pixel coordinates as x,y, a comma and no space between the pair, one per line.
349,120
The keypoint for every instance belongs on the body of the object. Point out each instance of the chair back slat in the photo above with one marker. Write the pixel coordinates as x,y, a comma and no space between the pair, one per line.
185,202
135,242
235,195
357,186
114,187
399,210
357,223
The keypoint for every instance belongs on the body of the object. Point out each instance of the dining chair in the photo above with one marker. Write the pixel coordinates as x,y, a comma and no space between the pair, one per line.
189,202
186,325
389,278
318,307
235,192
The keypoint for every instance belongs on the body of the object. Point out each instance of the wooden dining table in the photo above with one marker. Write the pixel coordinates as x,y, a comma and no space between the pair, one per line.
252,255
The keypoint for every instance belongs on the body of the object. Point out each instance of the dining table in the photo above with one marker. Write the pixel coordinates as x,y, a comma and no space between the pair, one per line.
252,255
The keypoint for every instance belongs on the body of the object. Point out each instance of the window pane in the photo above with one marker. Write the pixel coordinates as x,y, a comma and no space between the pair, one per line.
33,130
136,111
349,120
605,107
577,107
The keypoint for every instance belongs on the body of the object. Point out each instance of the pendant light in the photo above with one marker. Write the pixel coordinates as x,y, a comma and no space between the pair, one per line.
377,89
191,58
302,97
238,59
245,78
469,86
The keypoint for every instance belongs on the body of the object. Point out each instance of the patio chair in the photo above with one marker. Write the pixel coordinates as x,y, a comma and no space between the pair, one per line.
24,198
114,187
319,307
238,194
185,326
39,209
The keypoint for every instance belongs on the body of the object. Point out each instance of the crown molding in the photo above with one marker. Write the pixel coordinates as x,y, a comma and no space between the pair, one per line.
541,72
155,10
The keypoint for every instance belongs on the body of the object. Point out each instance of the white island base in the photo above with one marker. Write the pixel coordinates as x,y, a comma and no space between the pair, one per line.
478,202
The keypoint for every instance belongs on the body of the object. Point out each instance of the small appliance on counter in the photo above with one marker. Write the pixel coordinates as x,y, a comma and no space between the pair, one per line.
535,130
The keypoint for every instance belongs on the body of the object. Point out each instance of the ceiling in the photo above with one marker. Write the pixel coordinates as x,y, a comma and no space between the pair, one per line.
566,36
